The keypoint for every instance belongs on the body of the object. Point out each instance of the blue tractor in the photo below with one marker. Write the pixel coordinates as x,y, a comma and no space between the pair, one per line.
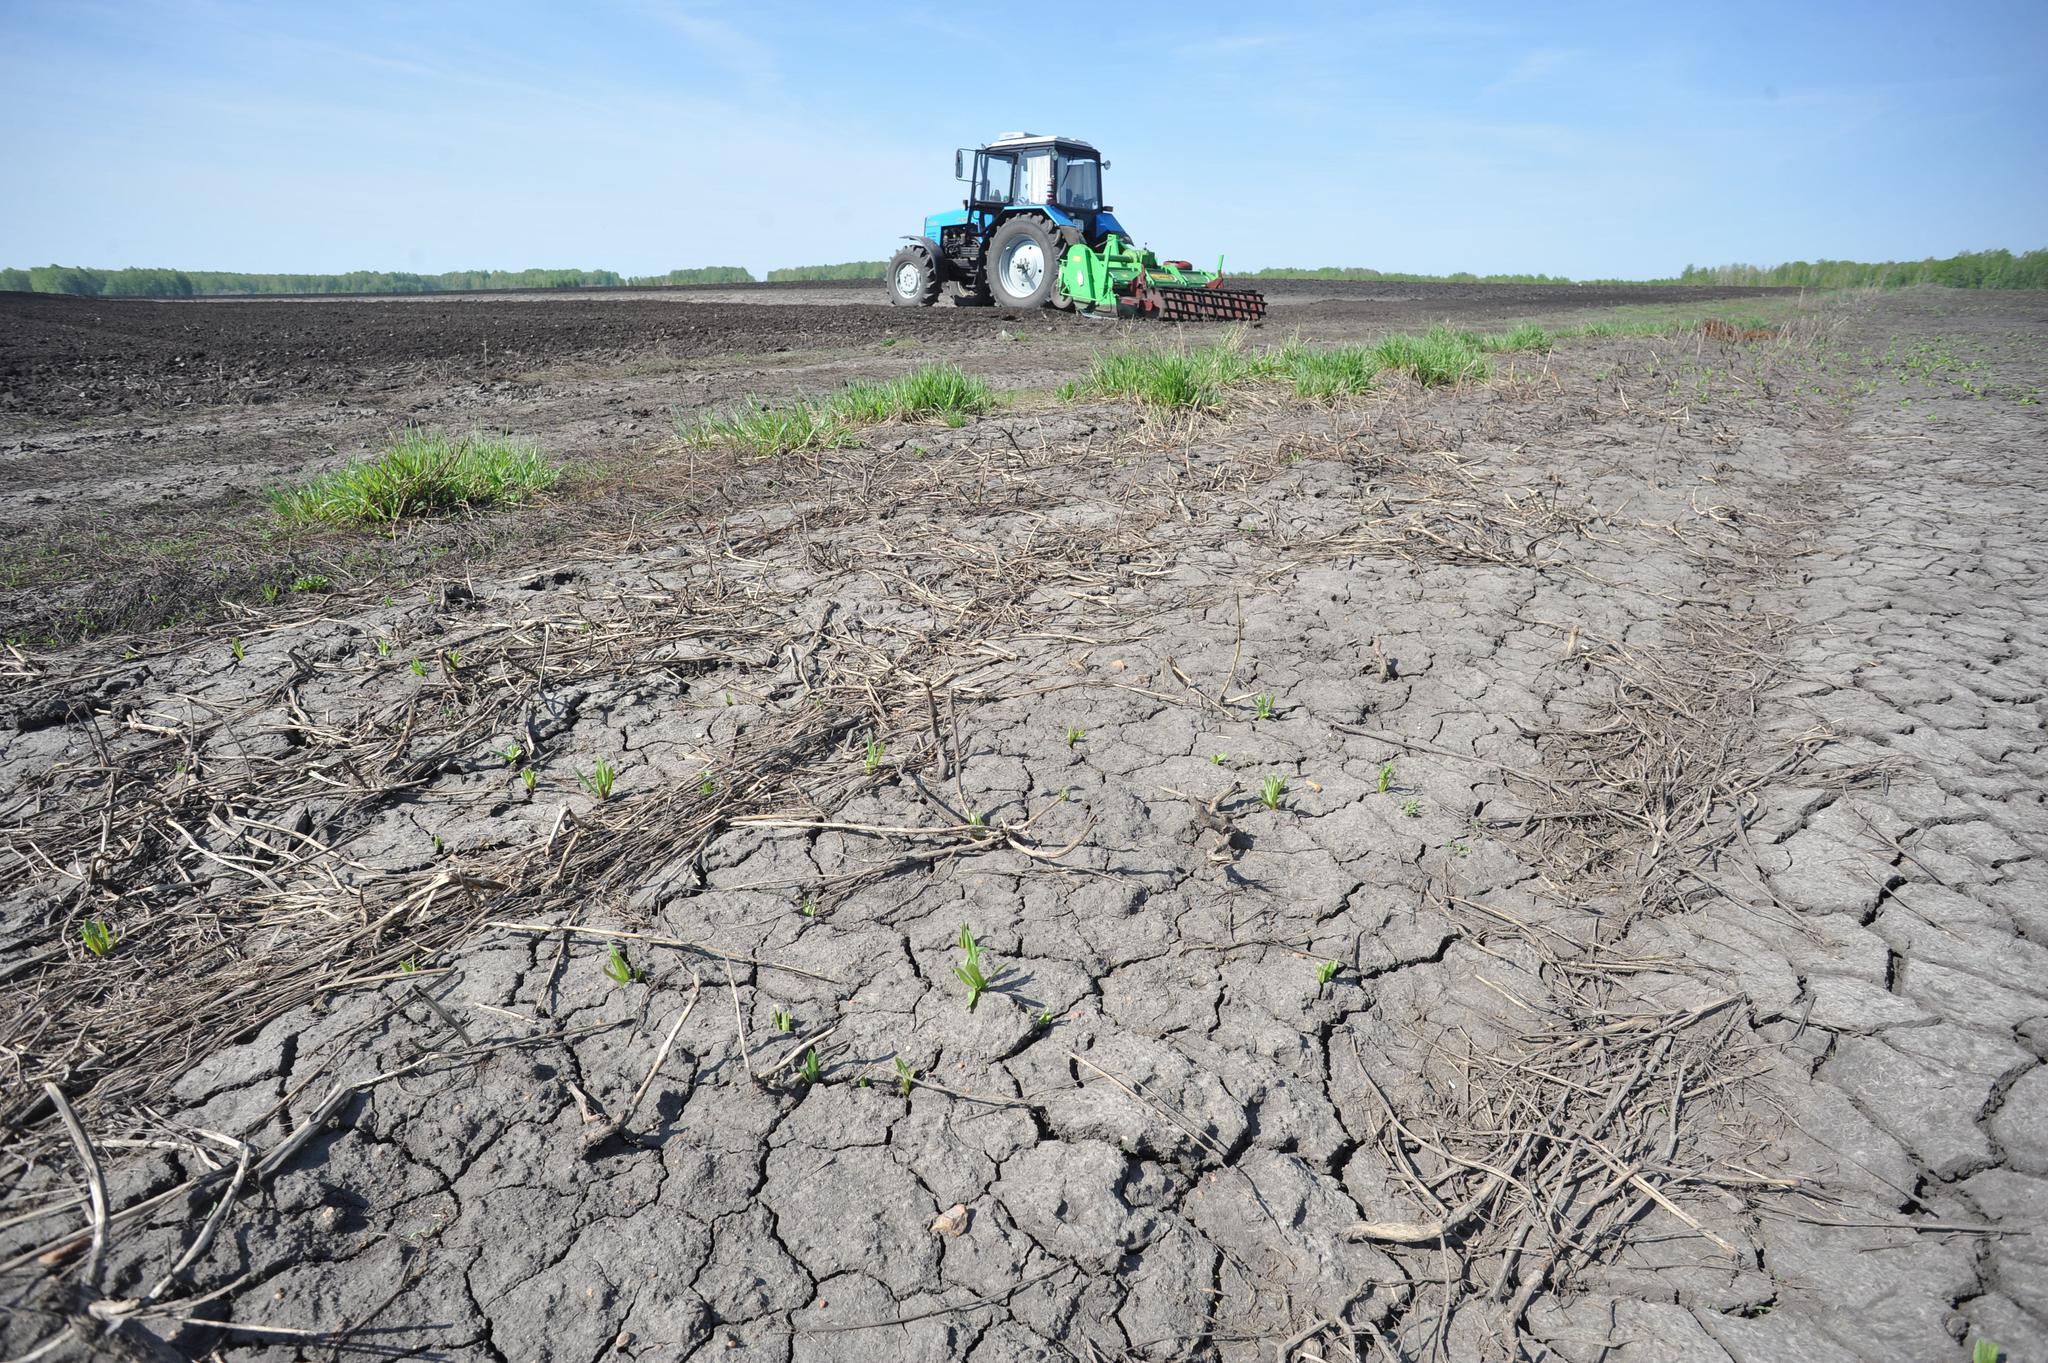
1034,232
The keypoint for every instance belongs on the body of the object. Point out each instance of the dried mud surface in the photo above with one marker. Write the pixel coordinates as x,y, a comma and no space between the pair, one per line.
1659,735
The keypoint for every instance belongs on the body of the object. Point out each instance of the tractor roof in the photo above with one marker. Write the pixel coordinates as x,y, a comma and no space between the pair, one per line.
1039,140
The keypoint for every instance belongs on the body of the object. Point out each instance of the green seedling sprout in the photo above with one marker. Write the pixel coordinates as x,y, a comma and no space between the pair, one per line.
618,967
1075,736
409,966
708,786
451,660
1412,807
1262,705
235,647
419,669
99,938
528,778
383,648
1386,782
970,972
1219,758
1326,972
785,1021
600,780
905,1076
876,751
512,754
1270,791
811,1070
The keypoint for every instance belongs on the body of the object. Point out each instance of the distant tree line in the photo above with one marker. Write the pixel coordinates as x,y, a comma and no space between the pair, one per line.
143,283
703,274
1966,270
1359,272
852,269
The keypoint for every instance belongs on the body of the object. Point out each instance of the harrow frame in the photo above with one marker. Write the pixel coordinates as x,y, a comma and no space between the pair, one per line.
1132,281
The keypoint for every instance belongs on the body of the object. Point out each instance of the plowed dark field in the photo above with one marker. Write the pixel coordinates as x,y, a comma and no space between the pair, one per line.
73,358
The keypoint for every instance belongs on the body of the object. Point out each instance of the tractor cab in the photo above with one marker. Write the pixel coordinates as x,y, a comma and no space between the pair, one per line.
1018,169
1058,178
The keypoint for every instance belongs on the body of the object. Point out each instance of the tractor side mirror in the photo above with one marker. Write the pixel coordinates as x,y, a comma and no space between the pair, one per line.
959,165
1105,165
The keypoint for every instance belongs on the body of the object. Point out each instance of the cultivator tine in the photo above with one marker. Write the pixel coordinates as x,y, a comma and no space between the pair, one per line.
1207,305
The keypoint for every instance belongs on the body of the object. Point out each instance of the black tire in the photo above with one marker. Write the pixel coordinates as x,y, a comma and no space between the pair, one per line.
925,284
1020,232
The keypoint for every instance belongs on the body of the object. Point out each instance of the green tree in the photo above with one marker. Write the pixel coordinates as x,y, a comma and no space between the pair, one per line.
852,269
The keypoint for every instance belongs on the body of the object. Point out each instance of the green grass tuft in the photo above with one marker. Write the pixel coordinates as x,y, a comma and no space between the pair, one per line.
1527,336
937,390
1195,380
1326,374
772,430
858,404
1172,380
422,473
1438,356
1603,330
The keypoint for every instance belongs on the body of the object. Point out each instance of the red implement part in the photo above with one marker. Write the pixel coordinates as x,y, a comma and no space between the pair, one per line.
1174,304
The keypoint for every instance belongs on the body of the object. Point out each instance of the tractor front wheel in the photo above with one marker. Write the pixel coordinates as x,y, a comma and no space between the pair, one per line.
913,277
1024,263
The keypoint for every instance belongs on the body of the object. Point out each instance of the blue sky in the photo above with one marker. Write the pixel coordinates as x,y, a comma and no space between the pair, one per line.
640,135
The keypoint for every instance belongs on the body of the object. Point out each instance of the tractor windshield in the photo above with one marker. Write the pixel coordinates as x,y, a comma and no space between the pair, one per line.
1080,183
993,185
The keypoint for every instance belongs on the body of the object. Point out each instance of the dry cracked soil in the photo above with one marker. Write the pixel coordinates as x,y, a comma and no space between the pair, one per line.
1531,869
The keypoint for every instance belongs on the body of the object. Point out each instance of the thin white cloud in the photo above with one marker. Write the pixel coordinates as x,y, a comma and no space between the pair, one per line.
1430,24
725,44
1534,67
1234,45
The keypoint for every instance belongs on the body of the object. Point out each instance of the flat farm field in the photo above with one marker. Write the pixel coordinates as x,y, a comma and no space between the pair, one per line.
1461,823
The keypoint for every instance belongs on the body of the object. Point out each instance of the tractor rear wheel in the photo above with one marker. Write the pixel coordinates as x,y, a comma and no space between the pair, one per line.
1024,263
913,277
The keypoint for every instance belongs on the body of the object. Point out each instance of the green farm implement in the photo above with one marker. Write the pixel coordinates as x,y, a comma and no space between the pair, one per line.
1134,281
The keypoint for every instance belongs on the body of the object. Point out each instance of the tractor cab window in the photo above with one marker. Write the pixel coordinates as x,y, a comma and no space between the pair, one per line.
993,184
1080,183
1037,185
